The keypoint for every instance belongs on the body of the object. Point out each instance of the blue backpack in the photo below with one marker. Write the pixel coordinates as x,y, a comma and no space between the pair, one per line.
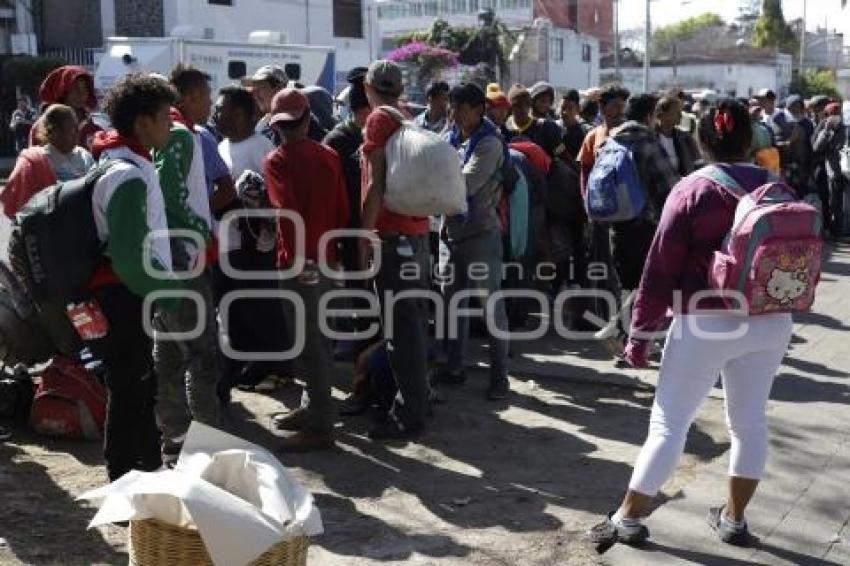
614,192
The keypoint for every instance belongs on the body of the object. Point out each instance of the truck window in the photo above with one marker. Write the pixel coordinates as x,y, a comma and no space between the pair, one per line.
293,71
236,70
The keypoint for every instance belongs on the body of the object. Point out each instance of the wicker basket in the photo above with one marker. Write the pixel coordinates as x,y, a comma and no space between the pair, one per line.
154,543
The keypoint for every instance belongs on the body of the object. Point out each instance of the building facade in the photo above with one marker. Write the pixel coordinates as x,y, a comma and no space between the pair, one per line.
348,25
562,57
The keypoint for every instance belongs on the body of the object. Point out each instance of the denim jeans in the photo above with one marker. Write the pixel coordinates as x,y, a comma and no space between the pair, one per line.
404,267
485,249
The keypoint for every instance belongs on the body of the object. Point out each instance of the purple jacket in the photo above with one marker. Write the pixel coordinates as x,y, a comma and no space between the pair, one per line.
697,216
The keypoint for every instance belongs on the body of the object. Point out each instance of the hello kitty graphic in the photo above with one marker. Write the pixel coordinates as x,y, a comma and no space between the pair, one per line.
785,287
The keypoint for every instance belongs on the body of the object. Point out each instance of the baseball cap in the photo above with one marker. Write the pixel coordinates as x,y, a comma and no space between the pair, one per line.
766,93
288,105
385,77
271,73
518,91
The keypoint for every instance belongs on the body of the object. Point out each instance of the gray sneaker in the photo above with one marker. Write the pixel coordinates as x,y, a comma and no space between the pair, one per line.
730,534
605,534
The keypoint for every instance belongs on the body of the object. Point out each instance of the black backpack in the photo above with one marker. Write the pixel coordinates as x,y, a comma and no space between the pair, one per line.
564,202
54,248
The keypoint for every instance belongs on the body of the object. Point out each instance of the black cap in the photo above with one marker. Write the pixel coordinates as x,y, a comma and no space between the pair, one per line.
766,93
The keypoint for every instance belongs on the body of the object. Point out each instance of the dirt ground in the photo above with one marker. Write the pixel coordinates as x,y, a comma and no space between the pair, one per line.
504,483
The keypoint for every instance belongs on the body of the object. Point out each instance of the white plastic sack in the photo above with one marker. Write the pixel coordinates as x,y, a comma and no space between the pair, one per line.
238,495
423,174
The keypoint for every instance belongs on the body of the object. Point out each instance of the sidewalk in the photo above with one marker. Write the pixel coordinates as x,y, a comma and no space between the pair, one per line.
515,483
801,510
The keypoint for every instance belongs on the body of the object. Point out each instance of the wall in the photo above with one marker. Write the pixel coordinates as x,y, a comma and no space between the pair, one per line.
313,26
739,79
595,17
400,16
141,18
572,71
538,60
71,24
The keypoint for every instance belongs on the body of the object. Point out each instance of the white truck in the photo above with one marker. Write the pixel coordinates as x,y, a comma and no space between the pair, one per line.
226,62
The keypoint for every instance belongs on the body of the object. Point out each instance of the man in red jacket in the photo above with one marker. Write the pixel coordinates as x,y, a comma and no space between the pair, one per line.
305,177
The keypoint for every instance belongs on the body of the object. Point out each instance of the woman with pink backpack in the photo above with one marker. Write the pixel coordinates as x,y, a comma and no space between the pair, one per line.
733,243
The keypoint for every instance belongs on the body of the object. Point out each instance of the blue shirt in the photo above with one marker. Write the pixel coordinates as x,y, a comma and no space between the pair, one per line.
214,165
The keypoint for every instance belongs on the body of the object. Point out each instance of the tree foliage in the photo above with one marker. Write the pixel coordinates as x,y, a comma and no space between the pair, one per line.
771,29
28,73
812,83
489,44
665,38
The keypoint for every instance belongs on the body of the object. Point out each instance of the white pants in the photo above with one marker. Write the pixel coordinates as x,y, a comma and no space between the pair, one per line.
746,352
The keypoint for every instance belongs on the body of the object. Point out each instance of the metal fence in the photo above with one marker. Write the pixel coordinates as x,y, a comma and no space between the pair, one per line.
82,56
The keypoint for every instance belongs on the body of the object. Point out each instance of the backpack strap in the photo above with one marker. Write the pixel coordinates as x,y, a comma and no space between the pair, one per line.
722,178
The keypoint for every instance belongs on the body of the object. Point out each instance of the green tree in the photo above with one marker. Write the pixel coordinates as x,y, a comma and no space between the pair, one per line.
771,29
664,39
812,83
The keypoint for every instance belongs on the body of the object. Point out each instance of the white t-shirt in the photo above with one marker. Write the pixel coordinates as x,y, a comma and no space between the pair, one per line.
246,155
670,149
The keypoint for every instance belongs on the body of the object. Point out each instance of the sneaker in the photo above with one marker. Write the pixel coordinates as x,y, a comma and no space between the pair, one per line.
605,534
353,405
498,389
726,531
445,377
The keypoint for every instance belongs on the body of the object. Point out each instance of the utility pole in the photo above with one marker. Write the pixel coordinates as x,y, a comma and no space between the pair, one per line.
647,34
803,38
617,37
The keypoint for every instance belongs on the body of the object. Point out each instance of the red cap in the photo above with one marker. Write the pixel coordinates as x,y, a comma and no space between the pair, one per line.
833,109
288,105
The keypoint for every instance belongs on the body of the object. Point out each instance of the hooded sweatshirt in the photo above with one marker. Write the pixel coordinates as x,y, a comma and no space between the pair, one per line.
55,88
128,206
32,173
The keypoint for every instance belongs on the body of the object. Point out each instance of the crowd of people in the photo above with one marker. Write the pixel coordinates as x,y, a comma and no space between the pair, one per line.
181,160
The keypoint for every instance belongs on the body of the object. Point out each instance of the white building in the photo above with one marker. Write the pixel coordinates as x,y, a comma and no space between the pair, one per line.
741,78
348,25
562,57
401,16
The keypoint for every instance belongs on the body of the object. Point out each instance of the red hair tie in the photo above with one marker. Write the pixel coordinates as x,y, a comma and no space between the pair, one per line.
723,122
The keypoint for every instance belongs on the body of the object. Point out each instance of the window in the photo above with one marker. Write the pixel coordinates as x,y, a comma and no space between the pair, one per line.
586,53
473,6
348,18
222,2
557,49
458,6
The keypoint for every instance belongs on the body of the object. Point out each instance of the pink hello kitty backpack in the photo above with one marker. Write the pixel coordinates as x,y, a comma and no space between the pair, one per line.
772,254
